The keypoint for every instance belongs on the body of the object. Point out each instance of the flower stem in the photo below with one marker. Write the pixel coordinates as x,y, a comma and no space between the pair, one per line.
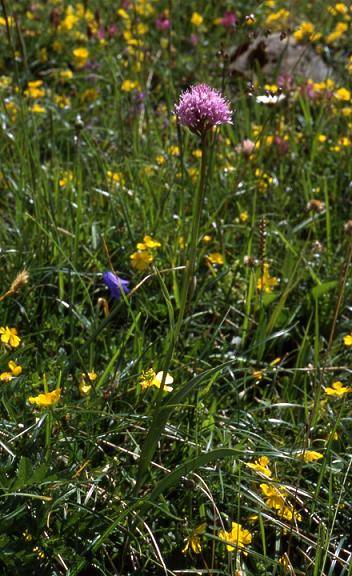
192,250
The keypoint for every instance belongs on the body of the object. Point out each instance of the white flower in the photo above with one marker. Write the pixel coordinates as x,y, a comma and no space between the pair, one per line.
270,98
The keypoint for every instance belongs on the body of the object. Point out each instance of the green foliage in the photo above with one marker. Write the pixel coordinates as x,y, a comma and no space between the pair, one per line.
117,474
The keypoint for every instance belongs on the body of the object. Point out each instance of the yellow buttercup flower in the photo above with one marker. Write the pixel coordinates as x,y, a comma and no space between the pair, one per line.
347,340
149,378
141,259
197,19
275,497
9,336
148,243
37,108
310,455
215,258
129,85
47,399
238,537
337,389
80,56
244,216
261,465
342,94
193,541
34,89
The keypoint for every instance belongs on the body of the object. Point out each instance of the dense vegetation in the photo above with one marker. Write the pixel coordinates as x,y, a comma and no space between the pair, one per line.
189,411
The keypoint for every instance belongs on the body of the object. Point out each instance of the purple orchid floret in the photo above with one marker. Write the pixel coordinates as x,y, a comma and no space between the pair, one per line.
202,107
115,284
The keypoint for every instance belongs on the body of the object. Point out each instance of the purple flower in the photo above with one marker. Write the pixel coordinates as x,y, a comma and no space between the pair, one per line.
162,23
201,107
115,284
229,20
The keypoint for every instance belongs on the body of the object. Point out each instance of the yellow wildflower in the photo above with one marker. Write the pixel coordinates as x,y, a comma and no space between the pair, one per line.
215,258
16,370
115,177
65,75
129,85
343,95
257,375
174,150
277,19
160,160
148,243
34,89
244,216
149,378
347,340
306,30
193,541
238,537
310,455
196,19
337,389
339,30
261,466
266,283
9,336
80,56
37,108
141,259
47,399
275,497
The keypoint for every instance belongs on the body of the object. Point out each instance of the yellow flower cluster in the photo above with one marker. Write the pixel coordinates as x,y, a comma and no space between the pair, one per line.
85,387
306,31
145,254
277,20
276,498
339,30
15,370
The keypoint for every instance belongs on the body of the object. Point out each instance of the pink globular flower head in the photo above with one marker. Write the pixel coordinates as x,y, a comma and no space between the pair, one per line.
202,107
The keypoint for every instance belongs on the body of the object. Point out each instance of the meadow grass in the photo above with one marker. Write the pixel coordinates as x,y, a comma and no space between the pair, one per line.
244,467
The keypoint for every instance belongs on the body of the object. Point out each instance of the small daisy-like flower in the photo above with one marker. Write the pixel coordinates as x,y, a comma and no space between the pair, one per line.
202,107
47,399
9,336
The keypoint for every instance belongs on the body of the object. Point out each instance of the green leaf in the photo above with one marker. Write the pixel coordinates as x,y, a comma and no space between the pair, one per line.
322,289
176,475
162,415
25,471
